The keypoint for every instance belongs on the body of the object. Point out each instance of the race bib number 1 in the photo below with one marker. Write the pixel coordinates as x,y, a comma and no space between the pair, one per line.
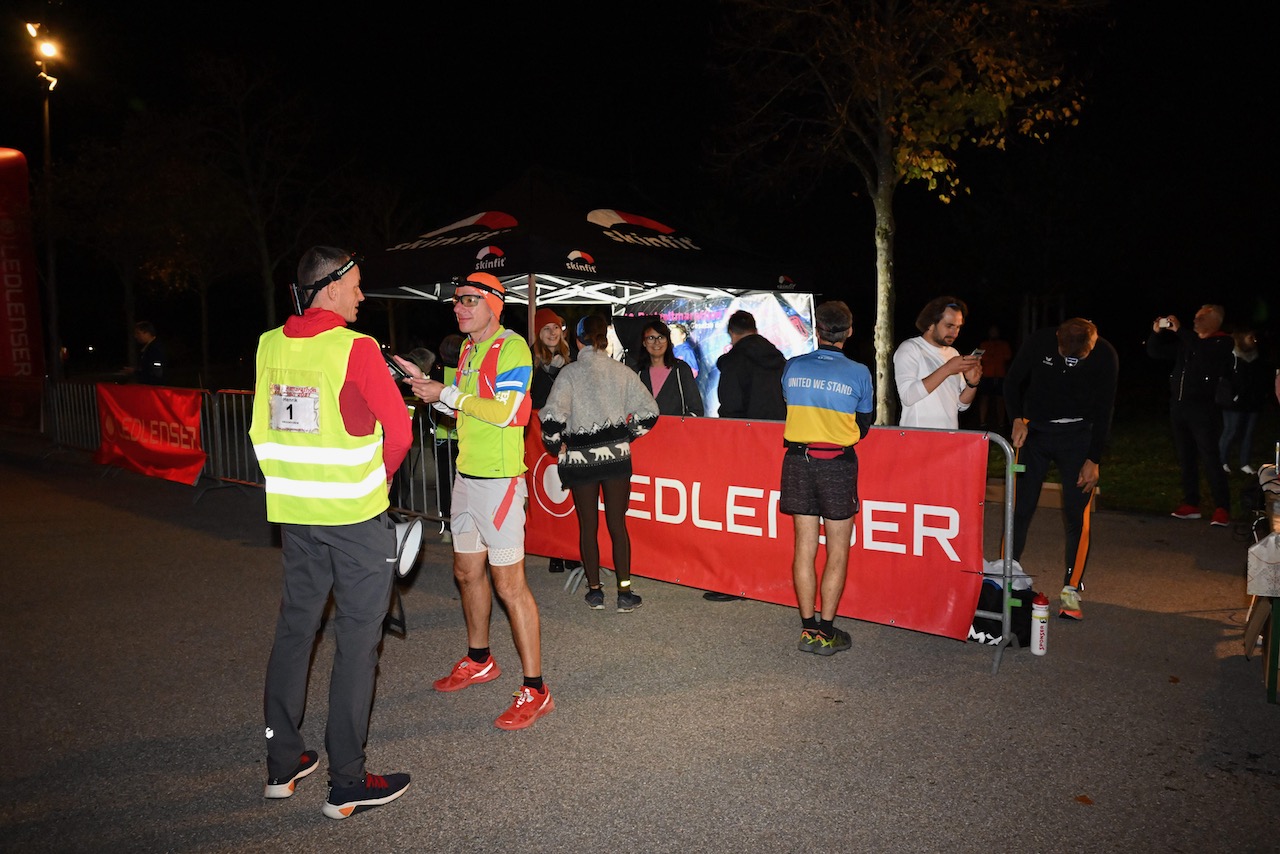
295,409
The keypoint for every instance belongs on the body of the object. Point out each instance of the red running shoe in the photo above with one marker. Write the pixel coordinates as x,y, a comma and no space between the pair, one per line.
528,707
1186,511
468,672
1221,518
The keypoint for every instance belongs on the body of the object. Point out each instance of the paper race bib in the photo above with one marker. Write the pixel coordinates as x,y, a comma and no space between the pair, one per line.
295,408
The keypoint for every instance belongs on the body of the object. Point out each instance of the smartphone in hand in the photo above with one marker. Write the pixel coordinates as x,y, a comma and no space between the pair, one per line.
396,371
978,352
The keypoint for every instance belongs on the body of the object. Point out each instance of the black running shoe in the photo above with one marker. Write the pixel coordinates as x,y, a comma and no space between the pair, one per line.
282,787
346,801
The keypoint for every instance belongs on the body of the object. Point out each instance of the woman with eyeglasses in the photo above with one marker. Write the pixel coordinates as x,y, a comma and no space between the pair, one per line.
668,379
596,408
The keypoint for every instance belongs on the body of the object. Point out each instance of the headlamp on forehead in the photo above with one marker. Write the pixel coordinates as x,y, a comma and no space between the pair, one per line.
302,295
471,282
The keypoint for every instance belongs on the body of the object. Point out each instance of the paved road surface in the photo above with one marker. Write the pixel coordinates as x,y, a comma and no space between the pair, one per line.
135,627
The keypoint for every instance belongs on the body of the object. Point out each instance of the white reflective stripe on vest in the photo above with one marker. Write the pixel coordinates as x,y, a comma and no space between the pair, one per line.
325,488
320,456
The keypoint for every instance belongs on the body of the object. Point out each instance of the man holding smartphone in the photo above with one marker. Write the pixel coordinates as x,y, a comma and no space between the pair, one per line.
1200,355
936,383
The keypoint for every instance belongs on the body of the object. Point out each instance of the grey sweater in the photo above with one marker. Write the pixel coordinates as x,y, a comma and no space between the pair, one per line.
596,407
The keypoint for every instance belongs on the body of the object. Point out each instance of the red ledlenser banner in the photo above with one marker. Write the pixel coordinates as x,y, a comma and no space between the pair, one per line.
21,339
704,513
151,430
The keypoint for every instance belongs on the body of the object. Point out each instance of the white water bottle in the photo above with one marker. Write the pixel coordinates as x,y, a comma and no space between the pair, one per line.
1039,624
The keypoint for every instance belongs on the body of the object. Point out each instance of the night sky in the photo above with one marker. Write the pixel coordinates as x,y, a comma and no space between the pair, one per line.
1159,201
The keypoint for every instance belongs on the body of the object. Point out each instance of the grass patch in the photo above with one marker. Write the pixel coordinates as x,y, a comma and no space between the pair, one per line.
1140,471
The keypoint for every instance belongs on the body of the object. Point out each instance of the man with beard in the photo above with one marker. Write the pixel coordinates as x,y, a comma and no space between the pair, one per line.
936,383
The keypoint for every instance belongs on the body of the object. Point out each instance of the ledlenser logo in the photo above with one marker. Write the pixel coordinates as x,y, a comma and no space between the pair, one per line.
547,491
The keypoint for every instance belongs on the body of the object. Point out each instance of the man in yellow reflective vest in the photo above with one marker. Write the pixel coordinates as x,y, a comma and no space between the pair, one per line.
490,397
329,429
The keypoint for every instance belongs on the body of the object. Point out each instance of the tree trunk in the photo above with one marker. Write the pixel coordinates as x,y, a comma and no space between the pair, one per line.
886,398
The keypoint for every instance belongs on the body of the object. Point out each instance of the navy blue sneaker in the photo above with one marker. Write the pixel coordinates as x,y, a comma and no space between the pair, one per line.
282,787
346,801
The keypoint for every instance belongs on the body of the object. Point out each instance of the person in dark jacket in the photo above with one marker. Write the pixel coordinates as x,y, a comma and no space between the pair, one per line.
1201,356
1250,384
151,355
751,374
1060,393
670,380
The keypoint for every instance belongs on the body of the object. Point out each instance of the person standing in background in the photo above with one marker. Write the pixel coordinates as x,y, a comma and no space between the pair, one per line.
668,378
750,373
550,356
829,408
1248,382
1201,356
935,383
996,356
596,408
152,360
1061,393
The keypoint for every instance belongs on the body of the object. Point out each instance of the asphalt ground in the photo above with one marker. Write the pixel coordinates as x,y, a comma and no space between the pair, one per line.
135,626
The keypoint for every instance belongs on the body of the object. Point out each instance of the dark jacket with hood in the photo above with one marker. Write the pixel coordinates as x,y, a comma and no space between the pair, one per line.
751,380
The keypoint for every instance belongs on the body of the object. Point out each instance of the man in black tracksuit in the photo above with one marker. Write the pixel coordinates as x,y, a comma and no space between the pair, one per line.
1060,393
1201,356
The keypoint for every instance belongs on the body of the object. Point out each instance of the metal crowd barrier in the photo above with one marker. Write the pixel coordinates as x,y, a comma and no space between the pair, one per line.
225,425
225,421
71,415
72,421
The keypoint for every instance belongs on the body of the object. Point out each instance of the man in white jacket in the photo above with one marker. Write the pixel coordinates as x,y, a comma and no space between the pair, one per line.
936,383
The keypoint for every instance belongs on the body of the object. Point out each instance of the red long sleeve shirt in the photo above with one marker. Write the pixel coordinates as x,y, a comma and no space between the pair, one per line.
369,396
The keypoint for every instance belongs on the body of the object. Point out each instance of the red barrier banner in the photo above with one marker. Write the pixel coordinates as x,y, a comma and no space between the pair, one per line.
704,513
21,341
151,430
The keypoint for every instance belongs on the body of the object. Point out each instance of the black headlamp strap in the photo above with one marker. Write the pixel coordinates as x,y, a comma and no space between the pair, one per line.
304,295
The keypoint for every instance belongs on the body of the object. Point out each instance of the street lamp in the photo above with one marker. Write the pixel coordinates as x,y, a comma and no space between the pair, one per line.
47,50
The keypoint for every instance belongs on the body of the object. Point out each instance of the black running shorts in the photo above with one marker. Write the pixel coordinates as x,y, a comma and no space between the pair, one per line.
813,487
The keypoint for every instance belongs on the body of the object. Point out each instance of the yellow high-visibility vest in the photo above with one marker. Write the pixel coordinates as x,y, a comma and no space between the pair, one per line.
316,472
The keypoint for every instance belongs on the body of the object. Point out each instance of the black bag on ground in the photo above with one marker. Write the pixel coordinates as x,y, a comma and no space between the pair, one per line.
987,631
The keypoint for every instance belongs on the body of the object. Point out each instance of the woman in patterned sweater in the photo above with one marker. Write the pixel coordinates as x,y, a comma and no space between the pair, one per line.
595,409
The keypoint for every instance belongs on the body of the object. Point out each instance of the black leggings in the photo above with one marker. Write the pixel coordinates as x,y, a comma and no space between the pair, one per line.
617,496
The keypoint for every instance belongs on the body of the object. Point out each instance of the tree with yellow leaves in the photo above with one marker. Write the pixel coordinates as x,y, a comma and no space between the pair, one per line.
893,89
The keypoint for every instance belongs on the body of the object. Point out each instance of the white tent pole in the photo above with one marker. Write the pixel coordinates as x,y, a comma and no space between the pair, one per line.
533,306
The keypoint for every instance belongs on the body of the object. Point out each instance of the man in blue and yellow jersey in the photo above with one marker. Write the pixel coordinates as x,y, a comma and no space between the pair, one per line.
829,406
490,398
329,429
